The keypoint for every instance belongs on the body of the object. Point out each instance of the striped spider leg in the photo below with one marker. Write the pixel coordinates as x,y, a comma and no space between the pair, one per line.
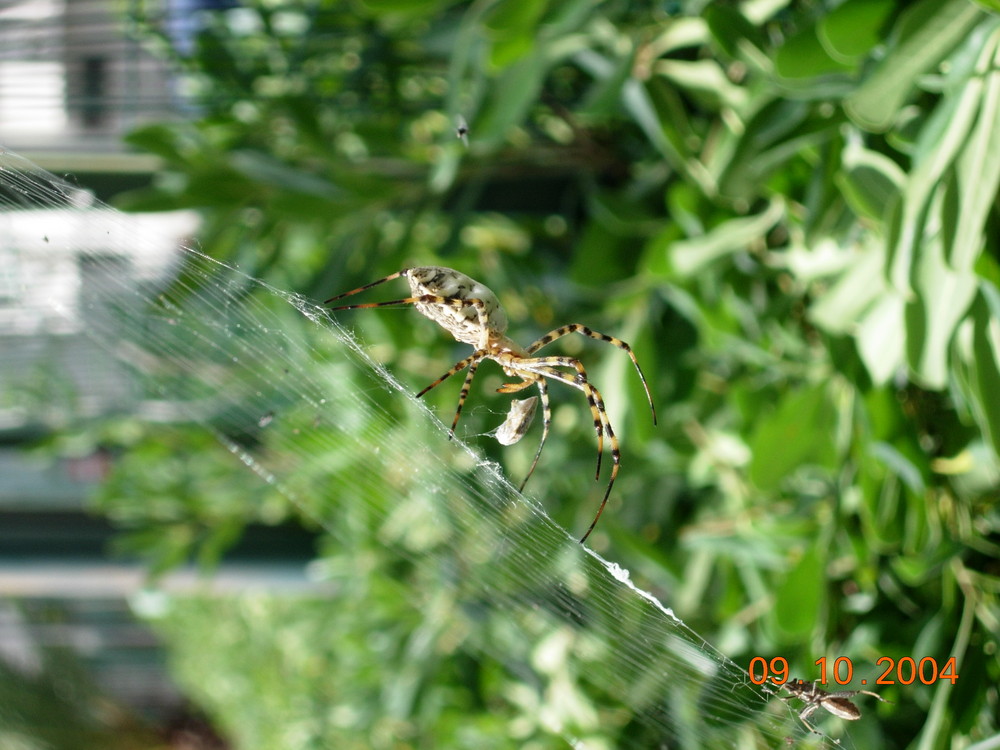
558,333
472,362
534,370
471,313
602,425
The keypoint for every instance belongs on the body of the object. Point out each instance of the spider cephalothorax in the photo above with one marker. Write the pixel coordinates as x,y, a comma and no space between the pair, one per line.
471,312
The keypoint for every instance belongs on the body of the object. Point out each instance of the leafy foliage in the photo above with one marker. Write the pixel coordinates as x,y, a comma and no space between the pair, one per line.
790,211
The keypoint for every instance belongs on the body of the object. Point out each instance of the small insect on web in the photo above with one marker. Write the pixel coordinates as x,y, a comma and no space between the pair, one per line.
836,703
515,426
471,312
462,130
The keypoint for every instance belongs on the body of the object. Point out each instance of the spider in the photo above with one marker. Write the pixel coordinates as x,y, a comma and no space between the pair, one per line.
836,703
470,312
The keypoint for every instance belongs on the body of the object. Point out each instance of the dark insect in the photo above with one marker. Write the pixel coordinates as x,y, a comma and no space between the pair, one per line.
814,697
462,130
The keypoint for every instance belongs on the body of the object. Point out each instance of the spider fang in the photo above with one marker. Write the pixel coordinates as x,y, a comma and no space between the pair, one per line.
472,314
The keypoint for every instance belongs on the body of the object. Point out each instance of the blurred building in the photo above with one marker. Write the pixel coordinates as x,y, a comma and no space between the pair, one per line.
60,593
73,82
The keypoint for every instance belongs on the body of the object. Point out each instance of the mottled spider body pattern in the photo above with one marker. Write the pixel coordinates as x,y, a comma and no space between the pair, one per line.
471,312
480,325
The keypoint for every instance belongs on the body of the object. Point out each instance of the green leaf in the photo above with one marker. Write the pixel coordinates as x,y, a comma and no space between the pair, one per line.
798,600
512,26
803,56
731,30
799,432
146,200
510,49
705,81
941,140
263,168
166,141
404,8
979,165
928,32
941,298
990,5
602,256
843,305
610,76
690,256
950,211
773,138
515,92
985,316
881,336
870,182
644,104
854,28
899,465
513,17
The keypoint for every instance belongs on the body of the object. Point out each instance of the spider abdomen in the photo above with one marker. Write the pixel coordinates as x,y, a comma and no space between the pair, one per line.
462,323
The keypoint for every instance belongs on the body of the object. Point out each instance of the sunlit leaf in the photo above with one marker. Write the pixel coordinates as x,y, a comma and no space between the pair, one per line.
945,134
950,211
803,56
870,181
928,32
881,337
842,305
510,49
690,256
854,27
704,79
990,5
941,298
979,166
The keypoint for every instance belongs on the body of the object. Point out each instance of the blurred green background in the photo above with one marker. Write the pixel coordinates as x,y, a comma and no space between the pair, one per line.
788,209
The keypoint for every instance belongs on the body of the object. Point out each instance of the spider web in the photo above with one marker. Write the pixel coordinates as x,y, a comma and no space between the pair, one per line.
335,434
